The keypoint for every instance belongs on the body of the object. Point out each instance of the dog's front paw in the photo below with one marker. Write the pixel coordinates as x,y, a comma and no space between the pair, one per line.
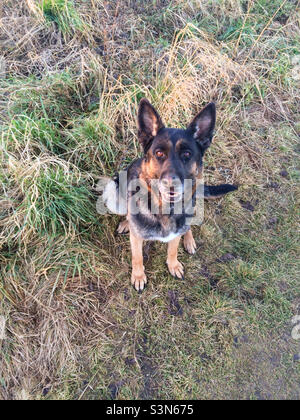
176,269
189,244
123,227
138,281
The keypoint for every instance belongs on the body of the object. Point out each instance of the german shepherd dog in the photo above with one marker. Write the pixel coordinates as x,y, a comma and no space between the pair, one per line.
171,156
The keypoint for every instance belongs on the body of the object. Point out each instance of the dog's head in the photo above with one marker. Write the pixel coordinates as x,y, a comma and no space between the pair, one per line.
173,155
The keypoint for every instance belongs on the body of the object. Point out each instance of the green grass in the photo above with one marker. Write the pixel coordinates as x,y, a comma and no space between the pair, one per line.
64,14
57,202
75,72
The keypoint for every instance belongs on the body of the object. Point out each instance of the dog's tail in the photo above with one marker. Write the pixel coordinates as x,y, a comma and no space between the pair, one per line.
212,192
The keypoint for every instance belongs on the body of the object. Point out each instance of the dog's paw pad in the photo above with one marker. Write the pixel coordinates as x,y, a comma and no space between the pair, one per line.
139,281
176,270
123,227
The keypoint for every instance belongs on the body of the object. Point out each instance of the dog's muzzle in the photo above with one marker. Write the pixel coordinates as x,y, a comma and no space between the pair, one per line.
171,189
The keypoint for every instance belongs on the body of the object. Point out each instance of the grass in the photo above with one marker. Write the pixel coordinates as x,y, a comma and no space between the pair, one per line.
75,72
63,13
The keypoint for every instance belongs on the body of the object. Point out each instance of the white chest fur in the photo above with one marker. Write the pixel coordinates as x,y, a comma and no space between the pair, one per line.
166,238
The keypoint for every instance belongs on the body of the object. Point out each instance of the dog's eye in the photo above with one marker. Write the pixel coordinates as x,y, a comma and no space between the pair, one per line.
159,154
186,154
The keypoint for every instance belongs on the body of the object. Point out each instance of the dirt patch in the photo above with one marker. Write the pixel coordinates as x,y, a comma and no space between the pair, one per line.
174,307
247,205
147,367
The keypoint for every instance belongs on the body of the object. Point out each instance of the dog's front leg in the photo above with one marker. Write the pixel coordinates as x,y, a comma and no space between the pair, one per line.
138,277
175,267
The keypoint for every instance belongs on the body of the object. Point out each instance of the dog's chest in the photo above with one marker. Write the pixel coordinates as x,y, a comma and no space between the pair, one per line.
165,238
159,228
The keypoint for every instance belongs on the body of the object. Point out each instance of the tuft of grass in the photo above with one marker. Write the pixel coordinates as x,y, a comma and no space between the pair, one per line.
43,132
93,142
56,202
241,280
64,14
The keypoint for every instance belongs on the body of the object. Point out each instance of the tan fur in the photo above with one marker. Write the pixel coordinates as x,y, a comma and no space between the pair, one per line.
174,266
212,197
149,171
138,277
123,227
189,242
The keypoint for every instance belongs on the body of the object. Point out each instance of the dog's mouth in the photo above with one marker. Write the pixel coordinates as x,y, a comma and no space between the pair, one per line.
171,195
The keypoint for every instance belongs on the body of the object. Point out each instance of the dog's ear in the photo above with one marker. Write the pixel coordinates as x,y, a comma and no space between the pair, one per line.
202,126
149,123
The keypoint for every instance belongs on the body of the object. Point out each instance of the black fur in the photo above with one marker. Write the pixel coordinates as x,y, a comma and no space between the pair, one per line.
202,134
218,190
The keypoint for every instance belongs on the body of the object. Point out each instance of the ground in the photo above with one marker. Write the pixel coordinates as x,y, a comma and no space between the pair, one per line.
71,76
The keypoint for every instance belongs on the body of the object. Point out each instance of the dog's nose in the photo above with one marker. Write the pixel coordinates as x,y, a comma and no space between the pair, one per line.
170,181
